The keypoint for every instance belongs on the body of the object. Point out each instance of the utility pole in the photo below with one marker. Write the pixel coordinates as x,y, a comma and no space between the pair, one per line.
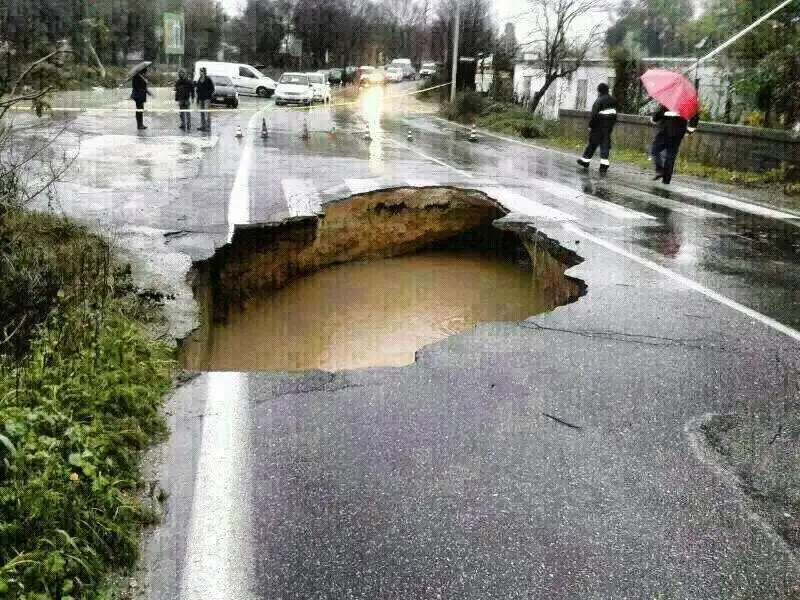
455,53
747,29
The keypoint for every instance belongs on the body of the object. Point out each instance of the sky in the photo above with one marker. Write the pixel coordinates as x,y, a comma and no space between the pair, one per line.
505,11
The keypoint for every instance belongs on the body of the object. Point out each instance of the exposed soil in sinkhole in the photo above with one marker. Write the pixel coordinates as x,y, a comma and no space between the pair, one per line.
371,280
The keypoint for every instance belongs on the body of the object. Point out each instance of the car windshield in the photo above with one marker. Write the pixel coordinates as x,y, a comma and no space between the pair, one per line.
367,69
221,80
315,78
294,78
428,65
393,70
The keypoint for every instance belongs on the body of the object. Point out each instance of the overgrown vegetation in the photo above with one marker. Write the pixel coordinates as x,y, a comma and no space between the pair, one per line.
80,386
503,117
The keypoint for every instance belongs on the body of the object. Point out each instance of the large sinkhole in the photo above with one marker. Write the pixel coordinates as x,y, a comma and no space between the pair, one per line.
370,281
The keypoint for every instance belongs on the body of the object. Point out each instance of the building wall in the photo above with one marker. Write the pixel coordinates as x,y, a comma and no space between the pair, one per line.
730,146
567,93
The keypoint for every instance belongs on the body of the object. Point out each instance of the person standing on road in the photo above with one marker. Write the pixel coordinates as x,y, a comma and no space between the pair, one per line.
601,123
139,94
672,128
204,88
184,94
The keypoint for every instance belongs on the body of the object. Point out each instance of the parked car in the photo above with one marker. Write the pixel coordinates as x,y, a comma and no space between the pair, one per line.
405,64
246,79
428,69
224,91
294,88
320,85
394,74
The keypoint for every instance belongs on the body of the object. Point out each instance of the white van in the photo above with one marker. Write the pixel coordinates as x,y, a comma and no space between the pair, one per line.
246,79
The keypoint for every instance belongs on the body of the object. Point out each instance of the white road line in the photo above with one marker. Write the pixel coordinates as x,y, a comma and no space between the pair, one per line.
516,202
429,157
693,285
673,205
239,203
753,209
218,549
572,195
302,197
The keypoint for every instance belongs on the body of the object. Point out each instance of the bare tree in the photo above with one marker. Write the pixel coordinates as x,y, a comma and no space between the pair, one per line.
560,47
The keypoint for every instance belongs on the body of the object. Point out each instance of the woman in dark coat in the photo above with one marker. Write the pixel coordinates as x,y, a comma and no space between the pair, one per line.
139,93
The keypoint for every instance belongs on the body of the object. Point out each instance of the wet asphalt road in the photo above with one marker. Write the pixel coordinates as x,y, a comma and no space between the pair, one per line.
444,479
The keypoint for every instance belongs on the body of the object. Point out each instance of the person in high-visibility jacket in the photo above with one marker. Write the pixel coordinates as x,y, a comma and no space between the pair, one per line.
601,123
672,128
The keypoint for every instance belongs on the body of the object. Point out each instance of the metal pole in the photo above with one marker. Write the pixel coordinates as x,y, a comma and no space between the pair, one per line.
744,31
455,53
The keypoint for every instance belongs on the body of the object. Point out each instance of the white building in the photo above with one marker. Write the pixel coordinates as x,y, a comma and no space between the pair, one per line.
580,89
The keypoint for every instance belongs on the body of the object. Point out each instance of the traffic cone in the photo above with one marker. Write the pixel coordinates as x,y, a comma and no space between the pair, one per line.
264,132
238,131
473,133
304,133
409,136
367,134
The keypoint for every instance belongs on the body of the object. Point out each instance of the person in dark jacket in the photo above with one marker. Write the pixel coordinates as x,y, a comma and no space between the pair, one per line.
601,123
204,89
184,94
672,128
139,94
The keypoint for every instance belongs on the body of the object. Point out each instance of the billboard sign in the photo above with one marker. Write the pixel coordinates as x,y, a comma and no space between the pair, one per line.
173,33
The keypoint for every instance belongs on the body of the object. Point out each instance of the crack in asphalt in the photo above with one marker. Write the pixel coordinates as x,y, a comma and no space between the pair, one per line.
634,338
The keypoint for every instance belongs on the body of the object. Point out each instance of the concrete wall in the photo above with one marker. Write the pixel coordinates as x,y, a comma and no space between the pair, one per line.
730,146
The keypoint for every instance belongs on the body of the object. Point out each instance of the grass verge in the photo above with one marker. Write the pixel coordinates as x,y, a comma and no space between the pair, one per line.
81,383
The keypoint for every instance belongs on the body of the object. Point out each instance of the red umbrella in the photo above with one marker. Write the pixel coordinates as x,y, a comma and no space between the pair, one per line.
673,90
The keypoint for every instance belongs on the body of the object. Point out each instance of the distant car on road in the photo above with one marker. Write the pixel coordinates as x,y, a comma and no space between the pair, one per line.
428,69
369,76
224,91
405,64
246,79
294,88
394,74
320,85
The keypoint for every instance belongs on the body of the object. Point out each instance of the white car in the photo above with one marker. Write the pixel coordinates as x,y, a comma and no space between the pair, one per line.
322,89
246,79
294,88
428,69
394,74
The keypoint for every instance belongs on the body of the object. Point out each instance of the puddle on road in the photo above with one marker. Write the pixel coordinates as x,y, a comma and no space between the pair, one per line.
378,277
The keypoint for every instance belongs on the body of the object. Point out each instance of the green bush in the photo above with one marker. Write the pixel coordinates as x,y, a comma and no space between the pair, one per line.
78,403
468,105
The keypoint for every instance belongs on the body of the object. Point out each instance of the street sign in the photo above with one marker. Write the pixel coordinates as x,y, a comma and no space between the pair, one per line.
173,33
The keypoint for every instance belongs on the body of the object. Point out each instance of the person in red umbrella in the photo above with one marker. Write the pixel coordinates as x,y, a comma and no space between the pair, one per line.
601,123
672,128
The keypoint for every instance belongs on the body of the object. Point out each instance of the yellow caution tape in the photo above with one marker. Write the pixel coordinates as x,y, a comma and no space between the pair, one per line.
83,109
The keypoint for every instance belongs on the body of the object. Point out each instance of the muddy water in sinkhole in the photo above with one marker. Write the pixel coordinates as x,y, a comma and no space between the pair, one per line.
368,313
